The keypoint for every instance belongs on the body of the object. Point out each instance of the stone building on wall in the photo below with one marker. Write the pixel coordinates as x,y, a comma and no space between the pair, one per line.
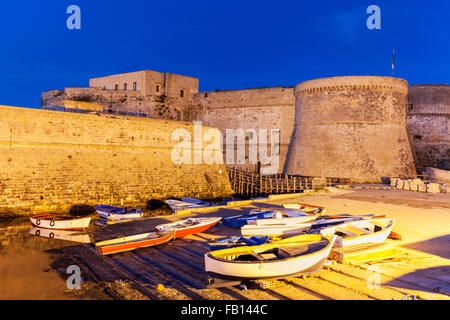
429,125
143,93
176,97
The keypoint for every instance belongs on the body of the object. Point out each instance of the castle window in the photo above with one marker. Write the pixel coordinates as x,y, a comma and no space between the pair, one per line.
116,87
410,107
134,86
158,87
125,87
178,115
182,93
206,95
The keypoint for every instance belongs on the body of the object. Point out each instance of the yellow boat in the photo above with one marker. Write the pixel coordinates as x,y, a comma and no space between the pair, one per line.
280,259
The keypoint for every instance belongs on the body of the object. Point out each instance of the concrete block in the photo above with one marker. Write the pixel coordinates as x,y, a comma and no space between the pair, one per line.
406,185
433,188
394,182
422,188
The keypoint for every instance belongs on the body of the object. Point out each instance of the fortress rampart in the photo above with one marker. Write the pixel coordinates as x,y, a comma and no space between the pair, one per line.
429,125
382,104
251,109
53,160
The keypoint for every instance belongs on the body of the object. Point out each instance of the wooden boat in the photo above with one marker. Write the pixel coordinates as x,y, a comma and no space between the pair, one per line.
241,219
273,216
195,201
188,226
134,242
307,208
176,205
117,213
230,242
275,230
285,216
285,229
280,259
74,236
359,232
59,222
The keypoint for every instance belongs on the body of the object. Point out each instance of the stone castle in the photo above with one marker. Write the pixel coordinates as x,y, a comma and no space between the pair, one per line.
116,144
353,107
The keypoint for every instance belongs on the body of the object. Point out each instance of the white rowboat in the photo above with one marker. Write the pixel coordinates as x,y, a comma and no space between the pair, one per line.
74,236
293,228
283,221
359,232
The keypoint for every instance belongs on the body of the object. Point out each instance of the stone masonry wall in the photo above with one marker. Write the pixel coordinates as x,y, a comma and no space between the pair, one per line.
263,108
53,160
428,125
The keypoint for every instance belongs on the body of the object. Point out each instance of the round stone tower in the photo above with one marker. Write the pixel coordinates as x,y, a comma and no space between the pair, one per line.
428,125
351,127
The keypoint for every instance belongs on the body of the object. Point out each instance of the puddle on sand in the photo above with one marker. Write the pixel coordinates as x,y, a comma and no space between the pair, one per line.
25,271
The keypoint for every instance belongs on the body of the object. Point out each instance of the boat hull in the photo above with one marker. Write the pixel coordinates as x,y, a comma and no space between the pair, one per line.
274,230
73,236
117,213
285,221
186,231
374,237
241,220
118,216
268,269
129,244
307,271
76,224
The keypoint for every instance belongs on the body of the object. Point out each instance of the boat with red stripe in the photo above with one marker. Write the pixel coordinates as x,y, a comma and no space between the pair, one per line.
188,226
134,242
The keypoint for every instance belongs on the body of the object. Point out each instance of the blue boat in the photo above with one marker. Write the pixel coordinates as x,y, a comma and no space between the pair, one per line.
240,220
117,213
195,201
257,214
231,242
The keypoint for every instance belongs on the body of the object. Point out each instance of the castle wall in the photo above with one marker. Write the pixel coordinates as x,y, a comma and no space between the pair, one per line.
351,127
53,160
262,108
428,125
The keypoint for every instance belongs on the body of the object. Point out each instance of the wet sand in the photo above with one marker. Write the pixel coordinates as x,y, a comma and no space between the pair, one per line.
25,271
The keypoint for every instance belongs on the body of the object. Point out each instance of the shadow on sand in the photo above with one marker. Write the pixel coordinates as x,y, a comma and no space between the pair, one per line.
433,280
439,246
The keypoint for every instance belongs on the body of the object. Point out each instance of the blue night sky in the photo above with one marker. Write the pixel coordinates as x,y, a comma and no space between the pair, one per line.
226,44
